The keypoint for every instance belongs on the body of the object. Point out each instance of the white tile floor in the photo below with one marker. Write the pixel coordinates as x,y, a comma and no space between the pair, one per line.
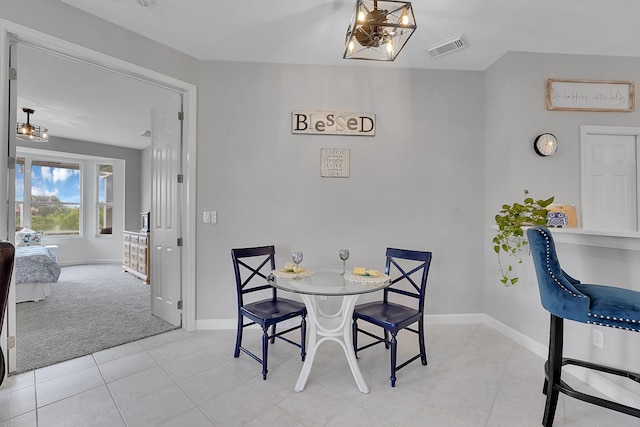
475,377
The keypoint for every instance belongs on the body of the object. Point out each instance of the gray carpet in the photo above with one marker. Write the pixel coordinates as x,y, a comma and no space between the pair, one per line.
91,308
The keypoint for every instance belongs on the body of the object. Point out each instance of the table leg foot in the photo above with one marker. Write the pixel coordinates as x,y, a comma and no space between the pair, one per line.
353,365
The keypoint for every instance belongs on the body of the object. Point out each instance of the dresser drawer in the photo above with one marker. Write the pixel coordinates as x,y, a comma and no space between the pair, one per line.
142,268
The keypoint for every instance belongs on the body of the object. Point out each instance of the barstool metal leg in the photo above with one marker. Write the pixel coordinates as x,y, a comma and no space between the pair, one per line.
553,369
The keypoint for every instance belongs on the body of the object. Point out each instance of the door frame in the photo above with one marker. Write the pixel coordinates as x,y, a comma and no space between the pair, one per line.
10,31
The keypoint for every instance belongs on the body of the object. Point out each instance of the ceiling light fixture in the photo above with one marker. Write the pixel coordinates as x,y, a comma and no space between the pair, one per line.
31,132
379,30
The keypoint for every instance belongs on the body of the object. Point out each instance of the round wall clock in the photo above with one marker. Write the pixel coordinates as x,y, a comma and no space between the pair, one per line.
545,144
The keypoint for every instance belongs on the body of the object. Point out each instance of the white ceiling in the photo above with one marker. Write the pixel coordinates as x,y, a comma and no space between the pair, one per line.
313,31
80,101
67,95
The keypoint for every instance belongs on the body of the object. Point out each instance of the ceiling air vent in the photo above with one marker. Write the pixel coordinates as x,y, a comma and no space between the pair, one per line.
447,46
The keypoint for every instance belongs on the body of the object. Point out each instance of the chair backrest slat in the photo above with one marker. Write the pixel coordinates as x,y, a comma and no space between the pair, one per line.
406,273
255,271
251,276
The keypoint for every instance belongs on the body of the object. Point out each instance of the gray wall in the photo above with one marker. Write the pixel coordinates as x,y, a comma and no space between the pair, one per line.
145,182
417,184
515,113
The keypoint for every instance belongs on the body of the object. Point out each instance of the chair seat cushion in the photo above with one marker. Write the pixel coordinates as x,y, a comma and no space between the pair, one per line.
269,311
611,306
387,315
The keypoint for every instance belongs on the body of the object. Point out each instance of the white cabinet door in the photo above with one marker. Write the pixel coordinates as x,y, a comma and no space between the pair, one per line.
609,182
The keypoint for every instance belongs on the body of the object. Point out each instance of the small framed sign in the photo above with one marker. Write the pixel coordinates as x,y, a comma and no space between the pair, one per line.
591,95
334,163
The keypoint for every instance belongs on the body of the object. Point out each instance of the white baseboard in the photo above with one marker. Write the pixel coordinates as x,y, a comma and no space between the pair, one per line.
433,319
526,342
597,381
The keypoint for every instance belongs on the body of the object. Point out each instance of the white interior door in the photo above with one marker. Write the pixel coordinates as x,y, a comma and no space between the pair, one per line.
166,149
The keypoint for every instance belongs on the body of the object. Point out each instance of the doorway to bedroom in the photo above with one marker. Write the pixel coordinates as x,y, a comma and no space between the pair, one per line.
108,267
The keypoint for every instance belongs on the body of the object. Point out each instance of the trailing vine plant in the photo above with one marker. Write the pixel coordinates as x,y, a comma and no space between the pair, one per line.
510,236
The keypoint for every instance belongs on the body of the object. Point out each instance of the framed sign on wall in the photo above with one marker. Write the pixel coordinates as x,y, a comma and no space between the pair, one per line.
334,163
333,123
591,95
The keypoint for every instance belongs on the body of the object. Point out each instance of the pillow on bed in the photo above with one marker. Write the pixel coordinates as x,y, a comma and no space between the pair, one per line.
28,237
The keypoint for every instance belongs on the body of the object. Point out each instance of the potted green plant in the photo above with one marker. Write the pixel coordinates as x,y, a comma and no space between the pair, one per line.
510,236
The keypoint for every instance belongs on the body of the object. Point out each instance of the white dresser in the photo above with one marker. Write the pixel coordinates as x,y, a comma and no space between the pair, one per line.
135,256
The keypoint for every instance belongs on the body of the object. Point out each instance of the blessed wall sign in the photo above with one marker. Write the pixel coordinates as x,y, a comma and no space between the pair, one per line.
333,123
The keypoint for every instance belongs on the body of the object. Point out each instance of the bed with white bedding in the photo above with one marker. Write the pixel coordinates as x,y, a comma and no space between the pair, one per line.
35,269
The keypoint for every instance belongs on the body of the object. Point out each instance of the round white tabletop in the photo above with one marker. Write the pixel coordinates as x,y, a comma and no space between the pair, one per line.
328,282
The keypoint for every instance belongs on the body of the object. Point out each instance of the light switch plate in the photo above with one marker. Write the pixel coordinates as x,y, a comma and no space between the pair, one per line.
206,216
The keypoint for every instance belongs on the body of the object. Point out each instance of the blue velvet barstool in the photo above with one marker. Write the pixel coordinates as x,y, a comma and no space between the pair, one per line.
566,298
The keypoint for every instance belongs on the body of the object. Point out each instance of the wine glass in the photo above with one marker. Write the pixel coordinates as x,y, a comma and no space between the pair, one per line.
297,258
344,256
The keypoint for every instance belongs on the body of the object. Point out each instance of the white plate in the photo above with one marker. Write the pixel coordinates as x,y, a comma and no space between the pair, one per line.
366,279
290,275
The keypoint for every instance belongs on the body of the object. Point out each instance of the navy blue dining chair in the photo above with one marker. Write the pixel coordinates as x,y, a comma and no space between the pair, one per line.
408,271
7,257
252,267
567,298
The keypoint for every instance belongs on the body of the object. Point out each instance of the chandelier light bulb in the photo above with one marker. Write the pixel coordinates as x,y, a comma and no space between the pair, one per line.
404,20
361,16
389,45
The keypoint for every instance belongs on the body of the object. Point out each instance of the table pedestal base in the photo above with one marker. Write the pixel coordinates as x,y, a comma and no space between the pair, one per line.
333,327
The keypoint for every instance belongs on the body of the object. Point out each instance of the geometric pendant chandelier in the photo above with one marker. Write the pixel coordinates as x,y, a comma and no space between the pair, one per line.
29,131
379,30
